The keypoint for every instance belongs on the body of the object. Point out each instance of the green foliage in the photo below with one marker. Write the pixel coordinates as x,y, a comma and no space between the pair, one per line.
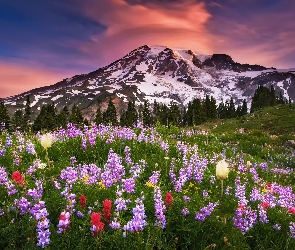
76,116
4,116
110,115
47,118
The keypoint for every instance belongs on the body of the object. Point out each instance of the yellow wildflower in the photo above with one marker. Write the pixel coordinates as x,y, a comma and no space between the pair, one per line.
85,178
101,184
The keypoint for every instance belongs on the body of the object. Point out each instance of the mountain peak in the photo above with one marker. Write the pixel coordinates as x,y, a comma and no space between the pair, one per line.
156,72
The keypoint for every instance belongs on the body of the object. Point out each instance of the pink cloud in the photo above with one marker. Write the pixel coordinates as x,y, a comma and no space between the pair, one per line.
18,78
179,24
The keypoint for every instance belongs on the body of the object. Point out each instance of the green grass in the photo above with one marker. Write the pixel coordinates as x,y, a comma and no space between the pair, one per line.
278,120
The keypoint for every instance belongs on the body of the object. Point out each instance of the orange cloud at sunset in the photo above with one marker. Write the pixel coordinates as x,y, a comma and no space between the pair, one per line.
180,24
16,79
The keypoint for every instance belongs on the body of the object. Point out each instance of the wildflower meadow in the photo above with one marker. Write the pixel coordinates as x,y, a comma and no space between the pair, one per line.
107,187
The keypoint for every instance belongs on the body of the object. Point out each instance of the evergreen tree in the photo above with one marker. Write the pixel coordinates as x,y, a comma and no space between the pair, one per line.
18,121
198,114
47,118
244,109
146,114
28,110
140,113
63,117
184,117
110,115
164,115
221,110
239,111
272,96
207,108
98,116
156,112
4,116
174,114
231,109
189,114
281,99
213,108
131,114
76,116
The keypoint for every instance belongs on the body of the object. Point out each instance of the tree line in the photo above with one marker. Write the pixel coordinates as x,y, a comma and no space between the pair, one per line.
196,112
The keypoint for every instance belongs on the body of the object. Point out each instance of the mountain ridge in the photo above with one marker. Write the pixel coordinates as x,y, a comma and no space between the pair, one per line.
162,74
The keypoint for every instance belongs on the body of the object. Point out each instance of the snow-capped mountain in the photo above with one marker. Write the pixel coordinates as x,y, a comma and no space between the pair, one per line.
162,74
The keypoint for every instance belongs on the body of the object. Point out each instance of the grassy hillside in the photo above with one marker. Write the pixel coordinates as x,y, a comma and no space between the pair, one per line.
278,120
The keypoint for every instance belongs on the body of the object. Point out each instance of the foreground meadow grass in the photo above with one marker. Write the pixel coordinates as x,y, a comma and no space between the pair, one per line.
146,188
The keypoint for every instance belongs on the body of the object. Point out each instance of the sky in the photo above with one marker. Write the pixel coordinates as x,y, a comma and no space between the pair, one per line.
45,41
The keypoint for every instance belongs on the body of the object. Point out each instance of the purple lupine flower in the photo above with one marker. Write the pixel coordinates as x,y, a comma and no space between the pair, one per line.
154,178
186,198
84,143
254,173
262,214
127,156
90,174
37,192
227,190
137,169
128,185
291,233
79,214
172,175
23,204
245,218
121,204
199,168
206,211
185,211
113,169
263,166
64,222
286,196
277,227
39,213
30,148
159,209
138,222
240,192
8,141
255,195
3,176
69,174
2,151
43,236
57,185
73,160
205,194
115,224
212,179
1,212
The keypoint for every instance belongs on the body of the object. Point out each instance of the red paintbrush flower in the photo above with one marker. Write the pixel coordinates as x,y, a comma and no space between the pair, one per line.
107,206
292,210
82,201
169,199
97,225
18,178
265,205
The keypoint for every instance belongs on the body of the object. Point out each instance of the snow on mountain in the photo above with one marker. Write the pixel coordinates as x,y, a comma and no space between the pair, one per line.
162,74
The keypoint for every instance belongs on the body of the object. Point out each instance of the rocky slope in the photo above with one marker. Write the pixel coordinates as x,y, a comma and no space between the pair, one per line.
162,74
